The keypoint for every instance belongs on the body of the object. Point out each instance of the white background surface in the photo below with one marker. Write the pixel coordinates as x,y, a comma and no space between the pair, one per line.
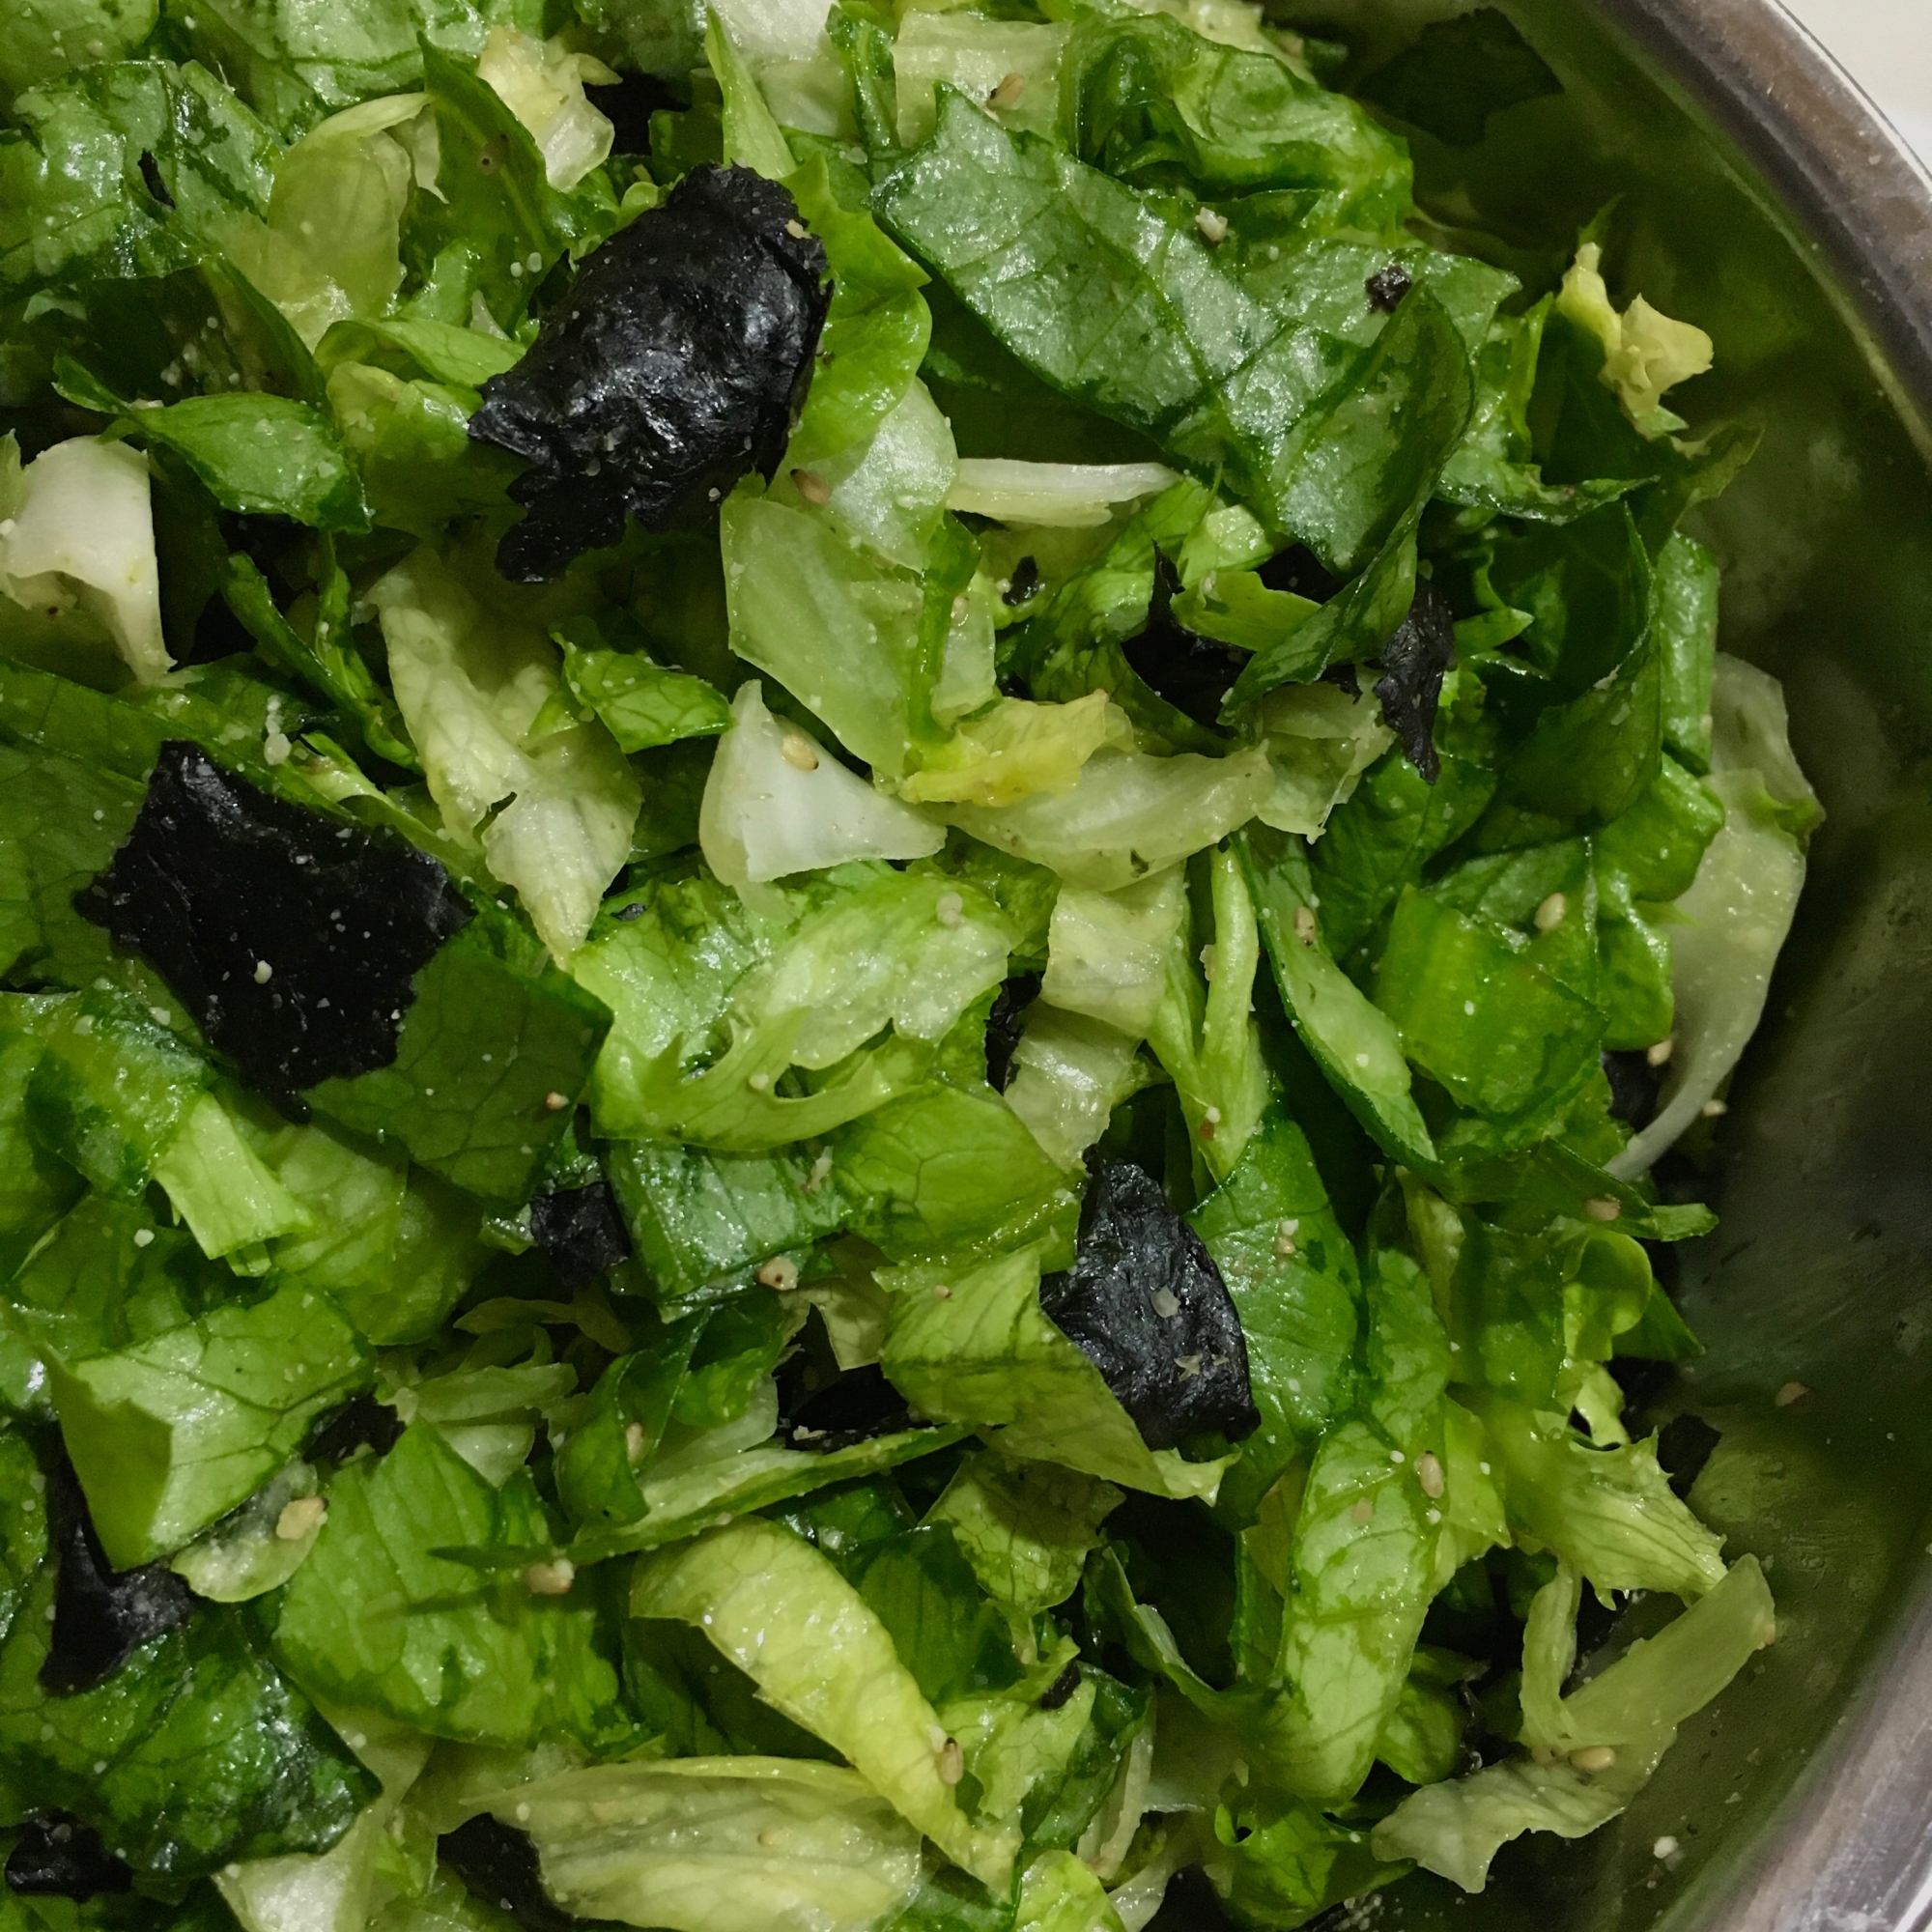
1888,47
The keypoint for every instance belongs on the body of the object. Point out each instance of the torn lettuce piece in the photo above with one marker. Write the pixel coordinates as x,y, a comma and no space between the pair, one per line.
1320,741
541,84
173,1431
1108,951
777,802
80,545
1290,1272
1610,1513
1025,1527
1069,1073
779,1610
1352,1040
1623,1722
1645,352
1128,815
1731,923
947,1169
1013,749
729,1844
383,1616
1052,496
975,54
714,1005
259,1546
975,1346
640,703
470,683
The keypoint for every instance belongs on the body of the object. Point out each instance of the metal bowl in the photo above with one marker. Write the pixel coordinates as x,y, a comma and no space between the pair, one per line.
1765,199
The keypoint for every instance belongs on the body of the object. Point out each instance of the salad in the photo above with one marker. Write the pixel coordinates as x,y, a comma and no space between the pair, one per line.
855,871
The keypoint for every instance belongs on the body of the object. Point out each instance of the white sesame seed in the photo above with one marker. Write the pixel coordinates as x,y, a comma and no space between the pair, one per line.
780,1272
951,1762
1007,93
263,971
1304,924
1429,1473
1213,227
1665,1847
1659,1054
1713,1109
143,1236
556,1102
551,1579
1593,1758
1166,1304
950,910
1789,1395
634,1443
1549,914
796,749
811,486
1600,1207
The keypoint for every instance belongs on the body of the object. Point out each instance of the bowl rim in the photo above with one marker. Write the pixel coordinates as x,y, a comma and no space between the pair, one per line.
1849,1846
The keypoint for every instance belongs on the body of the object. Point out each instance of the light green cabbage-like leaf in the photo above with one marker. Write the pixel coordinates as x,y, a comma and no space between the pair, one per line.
782,1612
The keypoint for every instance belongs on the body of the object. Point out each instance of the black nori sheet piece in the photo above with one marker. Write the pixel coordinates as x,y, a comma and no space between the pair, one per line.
1684,1446
1062,1687
1635,1085
102,1616
498,1864
1386,287
58,1856
1193,673
678,361
1004,1023
217,879
581,1231
852,1406
1179,1374
1023,585
357,1424
1410,686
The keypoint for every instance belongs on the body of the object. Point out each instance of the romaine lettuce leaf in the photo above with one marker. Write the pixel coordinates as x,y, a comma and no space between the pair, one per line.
80,530
778,803
1731,922
946,1169
383,1617
1069,1073
1291,1273
1040,247
1129,814
1610,1513
1352,1040
1025,1527
173,1431
973,1346
1148,100
733,1844
1629,1714
780,1611
714,1005
194,1753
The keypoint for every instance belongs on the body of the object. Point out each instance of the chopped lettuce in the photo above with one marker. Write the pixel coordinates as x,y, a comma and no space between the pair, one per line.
782,1612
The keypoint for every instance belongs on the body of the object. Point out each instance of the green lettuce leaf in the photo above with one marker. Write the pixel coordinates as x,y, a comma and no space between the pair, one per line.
196,1752
780,1611
973,1346
1291,1274
386,1615
173,1431
733,1844
1629,1714
1040,246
